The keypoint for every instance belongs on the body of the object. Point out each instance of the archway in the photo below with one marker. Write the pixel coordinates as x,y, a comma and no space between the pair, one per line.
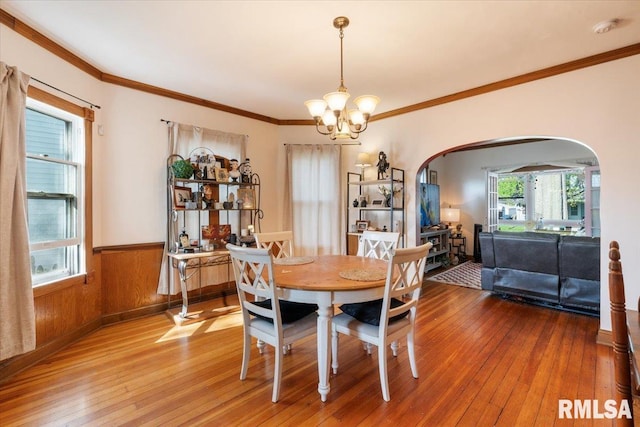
461,172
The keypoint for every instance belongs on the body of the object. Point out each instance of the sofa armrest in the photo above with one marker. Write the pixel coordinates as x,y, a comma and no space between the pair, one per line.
486,249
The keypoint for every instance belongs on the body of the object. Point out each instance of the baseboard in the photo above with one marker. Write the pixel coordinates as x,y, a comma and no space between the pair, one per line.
604,338
149,310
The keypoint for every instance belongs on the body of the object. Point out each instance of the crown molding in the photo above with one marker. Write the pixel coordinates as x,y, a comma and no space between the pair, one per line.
48,44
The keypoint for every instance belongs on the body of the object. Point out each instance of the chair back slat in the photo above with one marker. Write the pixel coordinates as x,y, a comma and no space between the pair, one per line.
280,243
378,244
253,270
404,282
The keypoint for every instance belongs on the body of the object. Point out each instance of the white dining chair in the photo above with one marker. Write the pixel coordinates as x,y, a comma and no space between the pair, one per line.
277,324
377,244
383,322
280,243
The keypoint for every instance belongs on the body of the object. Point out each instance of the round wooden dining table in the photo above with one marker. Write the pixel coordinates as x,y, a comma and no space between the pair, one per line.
327,280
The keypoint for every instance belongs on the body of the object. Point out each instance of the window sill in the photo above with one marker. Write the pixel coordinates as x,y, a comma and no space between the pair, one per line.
57,285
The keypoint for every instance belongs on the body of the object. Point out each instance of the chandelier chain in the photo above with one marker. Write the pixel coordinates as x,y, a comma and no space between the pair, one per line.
342,87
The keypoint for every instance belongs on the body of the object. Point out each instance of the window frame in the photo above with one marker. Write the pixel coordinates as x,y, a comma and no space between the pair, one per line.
86,271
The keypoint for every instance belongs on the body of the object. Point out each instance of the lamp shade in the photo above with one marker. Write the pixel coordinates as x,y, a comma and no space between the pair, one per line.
367,103
336,100
328,118
450,214
316,107
363,160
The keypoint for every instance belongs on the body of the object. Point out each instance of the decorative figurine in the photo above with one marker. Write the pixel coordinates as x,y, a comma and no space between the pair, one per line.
245,171
234,173
383,165
355,203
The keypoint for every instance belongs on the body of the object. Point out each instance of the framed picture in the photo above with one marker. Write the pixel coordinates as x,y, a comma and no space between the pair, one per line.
362,226
377,203
433,177
217,234
181,195
248,197
209,171
222,175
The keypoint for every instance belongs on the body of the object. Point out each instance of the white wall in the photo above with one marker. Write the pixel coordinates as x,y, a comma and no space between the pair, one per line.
598,106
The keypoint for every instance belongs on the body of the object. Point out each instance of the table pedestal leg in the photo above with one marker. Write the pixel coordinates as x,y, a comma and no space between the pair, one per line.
182,271
324,349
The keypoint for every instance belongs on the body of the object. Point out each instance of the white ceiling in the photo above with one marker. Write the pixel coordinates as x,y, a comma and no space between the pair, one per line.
268,57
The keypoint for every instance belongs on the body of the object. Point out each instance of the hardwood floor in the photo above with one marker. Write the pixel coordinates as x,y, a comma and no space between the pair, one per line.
483,361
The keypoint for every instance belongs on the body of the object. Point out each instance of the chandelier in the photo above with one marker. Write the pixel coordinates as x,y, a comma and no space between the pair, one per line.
330,113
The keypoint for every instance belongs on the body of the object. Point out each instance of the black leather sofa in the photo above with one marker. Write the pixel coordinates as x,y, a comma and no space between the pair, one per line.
560,271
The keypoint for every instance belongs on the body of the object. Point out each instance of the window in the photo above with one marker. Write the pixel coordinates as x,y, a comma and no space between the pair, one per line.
549,199
55,180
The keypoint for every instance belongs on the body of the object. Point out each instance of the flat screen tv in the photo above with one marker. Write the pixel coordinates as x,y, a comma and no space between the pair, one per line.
429,205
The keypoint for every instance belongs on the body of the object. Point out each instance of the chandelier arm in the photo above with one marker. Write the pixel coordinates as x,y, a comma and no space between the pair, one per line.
320,130
353,132
364,127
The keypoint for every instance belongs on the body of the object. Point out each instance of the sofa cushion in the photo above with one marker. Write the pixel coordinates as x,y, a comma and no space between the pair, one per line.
532,252
580,257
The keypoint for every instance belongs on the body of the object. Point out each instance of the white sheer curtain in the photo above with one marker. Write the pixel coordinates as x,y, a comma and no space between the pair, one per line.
17,321
182,140
312,198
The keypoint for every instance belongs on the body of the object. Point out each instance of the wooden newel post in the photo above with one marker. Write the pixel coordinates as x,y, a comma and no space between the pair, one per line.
619,331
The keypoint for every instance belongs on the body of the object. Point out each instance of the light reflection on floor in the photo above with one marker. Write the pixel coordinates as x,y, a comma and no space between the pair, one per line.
219,323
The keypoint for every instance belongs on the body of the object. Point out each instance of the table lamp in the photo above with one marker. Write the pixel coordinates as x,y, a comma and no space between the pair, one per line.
451,215
362,162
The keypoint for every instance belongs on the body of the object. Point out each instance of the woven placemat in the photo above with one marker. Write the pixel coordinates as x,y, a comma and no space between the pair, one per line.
363,275
294,260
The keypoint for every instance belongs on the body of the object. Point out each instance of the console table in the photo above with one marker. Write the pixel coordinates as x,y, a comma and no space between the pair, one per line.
204,259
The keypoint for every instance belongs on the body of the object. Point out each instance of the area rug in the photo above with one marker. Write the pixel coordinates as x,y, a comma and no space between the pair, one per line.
466,274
